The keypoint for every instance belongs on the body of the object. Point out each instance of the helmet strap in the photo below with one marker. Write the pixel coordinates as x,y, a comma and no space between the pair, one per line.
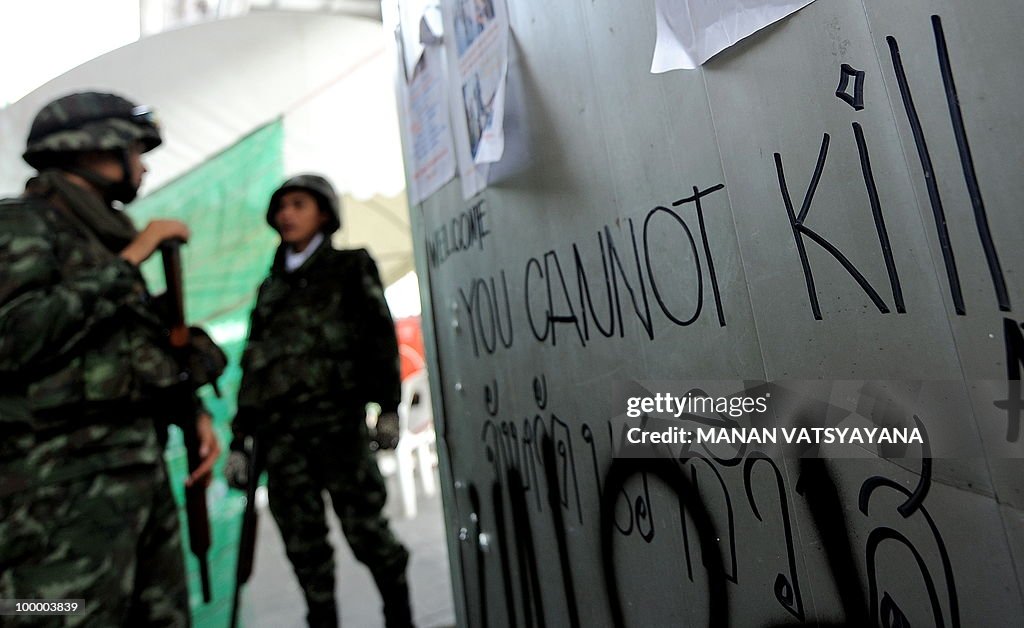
122,191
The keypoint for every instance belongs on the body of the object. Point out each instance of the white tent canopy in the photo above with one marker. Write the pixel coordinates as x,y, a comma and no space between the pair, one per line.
326,75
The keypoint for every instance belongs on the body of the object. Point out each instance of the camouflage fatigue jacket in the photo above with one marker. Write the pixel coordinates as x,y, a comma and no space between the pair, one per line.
319,336
81,351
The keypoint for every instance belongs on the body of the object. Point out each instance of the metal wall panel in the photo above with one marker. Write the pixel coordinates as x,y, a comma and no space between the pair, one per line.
531,327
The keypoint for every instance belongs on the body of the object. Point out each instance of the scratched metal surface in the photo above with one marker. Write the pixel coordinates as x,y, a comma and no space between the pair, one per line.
967,43
593,142
986,82
797,68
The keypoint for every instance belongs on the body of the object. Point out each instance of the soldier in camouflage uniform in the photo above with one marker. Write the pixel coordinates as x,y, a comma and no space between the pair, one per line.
85,376
321,346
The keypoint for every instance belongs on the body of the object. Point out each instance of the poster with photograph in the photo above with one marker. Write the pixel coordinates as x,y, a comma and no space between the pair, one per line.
422,94
478,64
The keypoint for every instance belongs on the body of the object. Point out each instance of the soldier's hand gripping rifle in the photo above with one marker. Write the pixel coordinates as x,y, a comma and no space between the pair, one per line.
180,338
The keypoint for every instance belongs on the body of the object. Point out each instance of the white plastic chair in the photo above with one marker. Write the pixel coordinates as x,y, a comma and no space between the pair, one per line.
415,443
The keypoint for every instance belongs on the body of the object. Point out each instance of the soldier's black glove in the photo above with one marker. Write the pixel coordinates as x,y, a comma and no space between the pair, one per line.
385,435
236,469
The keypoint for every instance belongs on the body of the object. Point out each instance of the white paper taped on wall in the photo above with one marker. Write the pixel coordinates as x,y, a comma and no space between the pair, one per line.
431,25
417,30
692,31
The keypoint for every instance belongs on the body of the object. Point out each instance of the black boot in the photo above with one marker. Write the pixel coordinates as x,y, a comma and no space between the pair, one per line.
397,611
394,592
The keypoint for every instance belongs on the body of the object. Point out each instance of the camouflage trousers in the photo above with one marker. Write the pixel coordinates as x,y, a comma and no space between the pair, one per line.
110,539
334,458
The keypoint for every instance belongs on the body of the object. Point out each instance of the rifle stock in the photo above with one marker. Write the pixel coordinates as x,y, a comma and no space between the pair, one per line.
195,495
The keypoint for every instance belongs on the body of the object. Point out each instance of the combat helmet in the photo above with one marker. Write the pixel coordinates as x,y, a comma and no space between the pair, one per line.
91,121
320,188
88,121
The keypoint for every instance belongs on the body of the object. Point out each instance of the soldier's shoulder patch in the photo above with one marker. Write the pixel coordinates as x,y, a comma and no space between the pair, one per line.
24,215
14,204
351,254
348,258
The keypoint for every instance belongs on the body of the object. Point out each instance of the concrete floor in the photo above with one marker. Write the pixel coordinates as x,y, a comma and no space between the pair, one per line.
273,599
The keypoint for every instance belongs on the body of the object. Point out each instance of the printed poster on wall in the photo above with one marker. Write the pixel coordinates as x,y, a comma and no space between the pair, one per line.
692,31
476,42
429,147
429,134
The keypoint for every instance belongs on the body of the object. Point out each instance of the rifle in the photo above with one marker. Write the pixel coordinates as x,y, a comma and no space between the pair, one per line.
247,542
195,495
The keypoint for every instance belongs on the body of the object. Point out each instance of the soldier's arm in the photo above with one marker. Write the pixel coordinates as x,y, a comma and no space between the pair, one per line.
380,346
246,419
44,313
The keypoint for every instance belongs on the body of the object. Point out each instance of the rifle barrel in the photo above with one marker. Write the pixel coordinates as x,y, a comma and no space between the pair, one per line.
247,540
195,495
